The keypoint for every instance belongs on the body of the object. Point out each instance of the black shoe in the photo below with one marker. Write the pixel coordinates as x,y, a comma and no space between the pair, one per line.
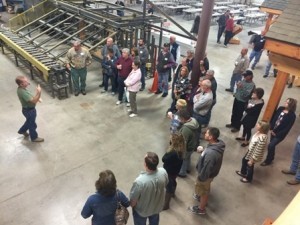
265,76
158,92
76,94
83,92
229,90
141,89
101,85
244,144
228,125
182,176
265,164
164,95
234,130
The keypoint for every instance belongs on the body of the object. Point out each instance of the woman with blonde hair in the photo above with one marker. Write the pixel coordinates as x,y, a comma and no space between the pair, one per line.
172,160
255,152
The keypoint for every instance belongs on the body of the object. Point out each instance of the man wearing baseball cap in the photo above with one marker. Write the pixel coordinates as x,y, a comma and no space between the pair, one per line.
242,95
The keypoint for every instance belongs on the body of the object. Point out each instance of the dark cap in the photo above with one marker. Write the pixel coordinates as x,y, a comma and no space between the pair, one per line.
166,45
248,73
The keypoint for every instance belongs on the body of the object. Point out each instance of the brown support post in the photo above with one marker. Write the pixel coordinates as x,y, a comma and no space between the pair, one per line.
269,22
203,32
275,95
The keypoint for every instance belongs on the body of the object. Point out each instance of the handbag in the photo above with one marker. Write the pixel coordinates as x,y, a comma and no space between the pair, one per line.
121,214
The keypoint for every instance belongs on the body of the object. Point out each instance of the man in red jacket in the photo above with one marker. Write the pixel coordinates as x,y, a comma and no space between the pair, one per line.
229,29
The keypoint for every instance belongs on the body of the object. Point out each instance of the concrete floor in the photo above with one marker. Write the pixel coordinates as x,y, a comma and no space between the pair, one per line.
48,183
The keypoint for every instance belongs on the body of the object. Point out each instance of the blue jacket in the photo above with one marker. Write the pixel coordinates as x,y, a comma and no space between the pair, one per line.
103,208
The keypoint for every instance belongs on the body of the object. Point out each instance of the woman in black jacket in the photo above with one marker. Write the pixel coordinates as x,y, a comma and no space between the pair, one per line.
172,164
195,27
281,123
251,115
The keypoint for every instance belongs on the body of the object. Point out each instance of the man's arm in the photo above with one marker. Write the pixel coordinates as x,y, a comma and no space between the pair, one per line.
37,96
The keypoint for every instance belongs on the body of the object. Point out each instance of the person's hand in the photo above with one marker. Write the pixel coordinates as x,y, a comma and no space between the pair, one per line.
165,66
119,67
68,66
38,88
200,149
250,163
272,133
170,115
239,84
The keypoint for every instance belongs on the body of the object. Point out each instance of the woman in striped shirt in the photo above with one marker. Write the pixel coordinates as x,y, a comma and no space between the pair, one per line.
255,152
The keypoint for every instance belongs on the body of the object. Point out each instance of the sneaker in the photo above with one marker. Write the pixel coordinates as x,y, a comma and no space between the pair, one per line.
129,110
38,139
158,92
164,95
25,134
103,91
252,67
219,42
141,89
132,115
113,93
293,182
127,104
118,102
196,210
196,197
83,92
265,76
288,172
225,46
229,90
234,130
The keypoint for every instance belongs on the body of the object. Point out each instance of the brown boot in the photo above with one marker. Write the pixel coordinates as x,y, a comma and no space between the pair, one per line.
167,201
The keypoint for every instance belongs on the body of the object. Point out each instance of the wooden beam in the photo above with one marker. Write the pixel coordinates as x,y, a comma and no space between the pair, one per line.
271,11
268,22
275,95
283,48
285,64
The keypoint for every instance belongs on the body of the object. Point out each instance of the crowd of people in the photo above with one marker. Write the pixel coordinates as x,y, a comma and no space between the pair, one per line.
190,112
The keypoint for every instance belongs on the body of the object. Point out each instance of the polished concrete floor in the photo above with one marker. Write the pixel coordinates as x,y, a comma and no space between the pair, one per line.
48,183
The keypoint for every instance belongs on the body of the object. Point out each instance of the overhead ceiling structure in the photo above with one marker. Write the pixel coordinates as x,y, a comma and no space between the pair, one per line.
42,35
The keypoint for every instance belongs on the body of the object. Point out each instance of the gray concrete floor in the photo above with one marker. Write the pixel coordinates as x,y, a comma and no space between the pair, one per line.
48,183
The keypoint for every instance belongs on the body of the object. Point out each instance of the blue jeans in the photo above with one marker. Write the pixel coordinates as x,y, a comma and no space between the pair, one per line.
106,79
79,78
186,164
268,67
30,115
163,82
295,166
143,71
121,87
139,220
246,169
271,148
256,55
235,78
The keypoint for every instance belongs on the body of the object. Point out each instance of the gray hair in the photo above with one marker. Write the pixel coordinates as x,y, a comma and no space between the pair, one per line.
126,50
77,43
206,83
210,72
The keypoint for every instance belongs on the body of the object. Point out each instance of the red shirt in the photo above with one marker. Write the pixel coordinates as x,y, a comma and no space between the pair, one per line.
229,24
126,66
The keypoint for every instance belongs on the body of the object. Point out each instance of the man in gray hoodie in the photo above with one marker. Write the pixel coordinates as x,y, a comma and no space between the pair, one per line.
189,130
208,167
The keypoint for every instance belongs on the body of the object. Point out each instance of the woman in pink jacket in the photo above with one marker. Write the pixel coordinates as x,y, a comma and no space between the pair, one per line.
133,83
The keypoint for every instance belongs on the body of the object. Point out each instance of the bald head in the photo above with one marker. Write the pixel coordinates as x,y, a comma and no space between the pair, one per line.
109,42
244,51
172,39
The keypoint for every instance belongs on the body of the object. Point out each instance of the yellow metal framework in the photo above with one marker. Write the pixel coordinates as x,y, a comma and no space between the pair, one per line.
41,67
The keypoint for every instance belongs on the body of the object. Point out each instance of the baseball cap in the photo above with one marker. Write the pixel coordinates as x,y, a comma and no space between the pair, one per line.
248,73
